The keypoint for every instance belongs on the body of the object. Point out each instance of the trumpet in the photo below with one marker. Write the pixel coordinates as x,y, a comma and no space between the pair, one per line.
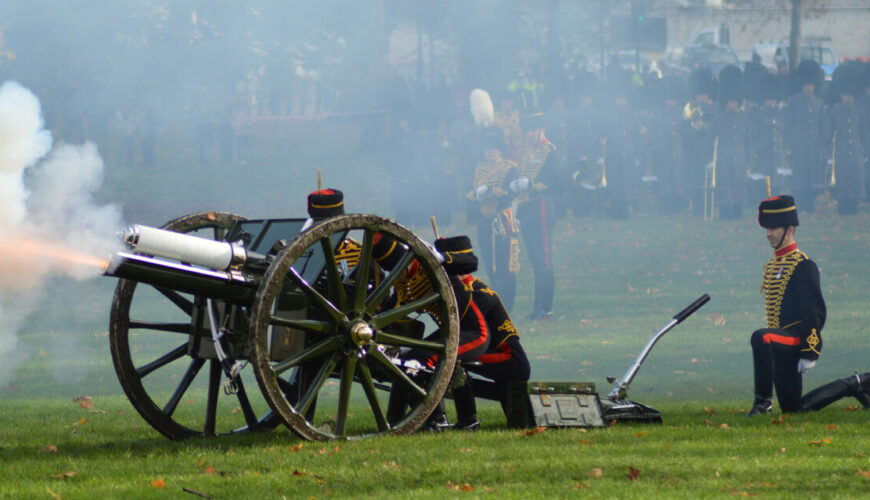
694,115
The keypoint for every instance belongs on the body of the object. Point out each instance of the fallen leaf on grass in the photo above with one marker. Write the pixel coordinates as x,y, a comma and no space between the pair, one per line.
82,421
853,408
596,472
724,426
640,434
66,475
819,442
209,470
158,483
295,447
776,421
579,486
832,426
49,448
459,486
536,430
297,473
865,473
633,473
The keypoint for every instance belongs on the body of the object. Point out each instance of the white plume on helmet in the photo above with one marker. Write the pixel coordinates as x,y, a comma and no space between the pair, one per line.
481,108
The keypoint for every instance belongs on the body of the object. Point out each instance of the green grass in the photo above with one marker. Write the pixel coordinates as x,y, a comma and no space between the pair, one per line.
617,283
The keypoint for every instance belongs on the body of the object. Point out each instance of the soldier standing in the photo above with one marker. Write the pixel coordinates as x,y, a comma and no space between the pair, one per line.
697,135
497,229
667,145
841,132
802,135
621,132
539,175
731,133
766,129
792,341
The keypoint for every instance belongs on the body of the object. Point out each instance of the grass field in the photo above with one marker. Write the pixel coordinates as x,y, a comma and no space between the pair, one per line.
67,432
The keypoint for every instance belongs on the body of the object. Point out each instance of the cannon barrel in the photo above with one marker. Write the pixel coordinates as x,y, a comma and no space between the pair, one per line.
220,255
232,286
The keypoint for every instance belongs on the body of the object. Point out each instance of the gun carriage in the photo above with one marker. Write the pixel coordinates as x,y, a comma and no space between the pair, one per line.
213,303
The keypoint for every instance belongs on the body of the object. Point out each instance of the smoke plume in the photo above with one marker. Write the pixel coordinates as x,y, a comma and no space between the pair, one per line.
49,223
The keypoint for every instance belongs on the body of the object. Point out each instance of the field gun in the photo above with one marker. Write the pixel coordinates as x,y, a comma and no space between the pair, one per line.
213,303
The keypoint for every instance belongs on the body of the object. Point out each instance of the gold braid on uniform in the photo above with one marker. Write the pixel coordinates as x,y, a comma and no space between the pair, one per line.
493,176
531,162
416,286
777,273
349,250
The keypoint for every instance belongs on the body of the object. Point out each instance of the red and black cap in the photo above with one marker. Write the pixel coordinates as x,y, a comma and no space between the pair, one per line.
325,203
458,257
779,211
387,251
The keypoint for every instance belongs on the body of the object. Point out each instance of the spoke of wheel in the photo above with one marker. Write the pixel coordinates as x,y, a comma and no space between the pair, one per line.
392,315
362,270
311,394
347,374
369,386
161,327
245,404
176,298
309,325
309,354
336,288
398,373
402,341
192,371
314,295
383,289
177,353
218,233
214,382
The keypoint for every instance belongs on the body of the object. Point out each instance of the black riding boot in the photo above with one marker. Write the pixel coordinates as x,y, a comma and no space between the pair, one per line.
466,408
857,386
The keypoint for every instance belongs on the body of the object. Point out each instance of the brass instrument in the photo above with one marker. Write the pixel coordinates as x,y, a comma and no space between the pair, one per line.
694,115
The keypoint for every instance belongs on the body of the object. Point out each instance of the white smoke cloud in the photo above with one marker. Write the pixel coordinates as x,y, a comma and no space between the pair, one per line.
49,224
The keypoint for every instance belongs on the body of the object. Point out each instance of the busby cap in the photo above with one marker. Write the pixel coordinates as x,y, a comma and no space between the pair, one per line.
325,203
458,257
387,251
779,211
730,84
492,138
808,72
701,82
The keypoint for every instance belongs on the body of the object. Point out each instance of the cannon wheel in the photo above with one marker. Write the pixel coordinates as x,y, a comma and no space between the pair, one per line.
163,379
351,335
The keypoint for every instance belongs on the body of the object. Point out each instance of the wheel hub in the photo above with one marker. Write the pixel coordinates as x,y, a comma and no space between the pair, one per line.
361,333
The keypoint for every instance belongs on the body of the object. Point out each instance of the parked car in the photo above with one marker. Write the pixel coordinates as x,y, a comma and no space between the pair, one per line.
683,60
773,55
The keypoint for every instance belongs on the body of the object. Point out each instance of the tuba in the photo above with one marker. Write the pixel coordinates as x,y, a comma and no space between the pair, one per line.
693,115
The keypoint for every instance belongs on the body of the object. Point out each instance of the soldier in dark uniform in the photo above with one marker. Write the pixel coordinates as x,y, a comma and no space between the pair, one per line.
731,133
697,134
504,360
802,135
766,130
667,145
587,138
792,341
473,333
539,177
841,132
621,134
497,228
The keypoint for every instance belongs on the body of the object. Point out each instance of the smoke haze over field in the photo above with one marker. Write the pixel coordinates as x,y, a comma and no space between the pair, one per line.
47,219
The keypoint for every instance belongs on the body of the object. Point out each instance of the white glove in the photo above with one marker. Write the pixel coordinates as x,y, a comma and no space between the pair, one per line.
481,192
520,185
805,364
